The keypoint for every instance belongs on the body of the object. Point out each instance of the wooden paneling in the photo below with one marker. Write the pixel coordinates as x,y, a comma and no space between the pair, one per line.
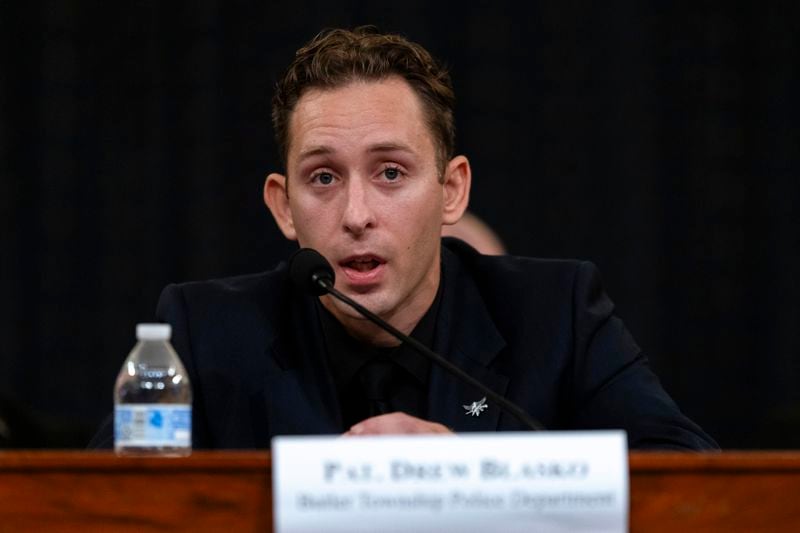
74,491
731,491
232,492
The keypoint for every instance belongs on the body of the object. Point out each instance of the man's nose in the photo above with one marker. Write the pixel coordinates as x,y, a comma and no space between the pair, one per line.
358,213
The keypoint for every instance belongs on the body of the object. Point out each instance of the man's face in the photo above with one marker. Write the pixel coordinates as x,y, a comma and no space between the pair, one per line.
364,190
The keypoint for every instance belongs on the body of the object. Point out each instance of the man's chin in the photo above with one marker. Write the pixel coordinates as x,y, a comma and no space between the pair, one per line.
369,299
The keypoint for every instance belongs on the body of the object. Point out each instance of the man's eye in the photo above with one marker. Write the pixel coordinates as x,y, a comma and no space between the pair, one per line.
324,178
391,174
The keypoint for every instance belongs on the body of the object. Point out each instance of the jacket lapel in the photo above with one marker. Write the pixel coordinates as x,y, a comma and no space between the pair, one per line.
467,336
299,391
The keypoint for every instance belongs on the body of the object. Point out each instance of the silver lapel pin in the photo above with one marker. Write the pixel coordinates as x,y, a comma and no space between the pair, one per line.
476,408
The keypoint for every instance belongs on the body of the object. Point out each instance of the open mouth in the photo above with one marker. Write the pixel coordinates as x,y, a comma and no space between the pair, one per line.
361,269
363,264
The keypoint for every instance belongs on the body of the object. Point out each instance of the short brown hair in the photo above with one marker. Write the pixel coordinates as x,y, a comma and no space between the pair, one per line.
337,57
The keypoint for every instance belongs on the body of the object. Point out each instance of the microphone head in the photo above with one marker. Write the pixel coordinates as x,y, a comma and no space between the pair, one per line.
307,267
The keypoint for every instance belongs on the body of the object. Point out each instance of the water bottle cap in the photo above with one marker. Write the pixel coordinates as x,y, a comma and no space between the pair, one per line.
153,332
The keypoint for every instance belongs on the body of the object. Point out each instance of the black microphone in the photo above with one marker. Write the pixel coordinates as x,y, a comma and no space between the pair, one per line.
311,272
308,268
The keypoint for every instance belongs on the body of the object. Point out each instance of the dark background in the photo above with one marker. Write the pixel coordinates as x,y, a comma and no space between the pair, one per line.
657,140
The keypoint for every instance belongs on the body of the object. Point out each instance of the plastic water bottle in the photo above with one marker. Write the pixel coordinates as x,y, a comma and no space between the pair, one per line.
153,398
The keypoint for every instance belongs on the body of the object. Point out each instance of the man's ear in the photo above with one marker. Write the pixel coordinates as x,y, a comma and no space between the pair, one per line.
457,183
276,198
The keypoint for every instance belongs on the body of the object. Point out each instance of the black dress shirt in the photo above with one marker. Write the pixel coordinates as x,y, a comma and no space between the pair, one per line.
373,380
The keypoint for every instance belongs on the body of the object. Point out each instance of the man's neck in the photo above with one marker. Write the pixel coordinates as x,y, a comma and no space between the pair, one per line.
362,329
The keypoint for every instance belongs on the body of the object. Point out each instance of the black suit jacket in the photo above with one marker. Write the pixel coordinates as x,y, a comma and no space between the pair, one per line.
540,332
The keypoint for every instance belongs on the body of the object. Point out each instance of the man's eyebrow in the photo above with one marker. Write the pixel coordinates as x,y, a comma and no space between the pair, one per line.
390,147
315,150
375,148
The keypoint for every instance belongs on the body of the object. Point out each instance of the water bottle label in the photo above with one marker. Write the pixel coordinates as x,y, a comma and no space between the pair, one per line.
153,425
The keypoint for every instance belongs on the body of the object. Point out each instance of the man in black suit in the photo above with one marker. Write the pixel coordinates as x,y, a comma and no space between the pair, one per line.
364,123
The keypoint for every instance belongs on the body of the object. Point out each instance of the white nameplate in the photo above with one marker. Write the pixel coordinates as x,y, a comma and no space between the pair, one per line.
554,481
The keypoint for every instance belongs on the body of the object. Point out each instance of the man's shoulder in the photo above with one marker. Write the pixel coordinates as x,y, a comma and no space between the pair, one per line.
519,275
262,293
241,286
519,291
